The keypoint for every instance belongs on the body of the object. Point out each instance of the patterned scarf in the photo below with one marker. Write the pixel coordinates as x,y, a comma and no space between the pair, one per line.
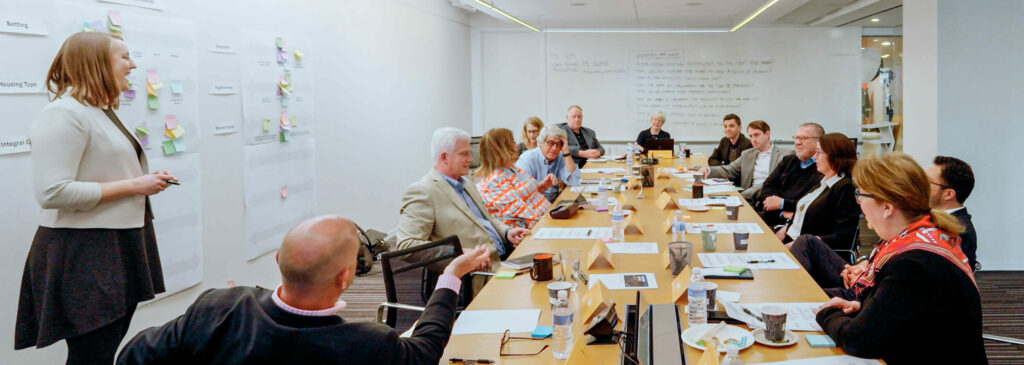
919,235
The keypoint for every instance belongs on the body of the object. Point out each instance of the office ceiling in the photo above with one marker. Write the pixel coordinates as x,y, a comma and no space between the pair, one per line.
688,13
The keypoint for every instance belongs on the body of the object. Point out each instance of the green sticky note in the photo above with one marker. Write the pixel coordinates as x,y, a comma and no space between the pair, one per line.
717,208
735,268
153,101
169,147
266,125
280,42
141,131
505,275
284,136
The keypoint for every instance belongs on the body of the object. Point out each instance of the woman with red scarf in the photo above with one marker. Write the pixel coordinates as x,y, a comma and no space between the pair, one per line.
915,301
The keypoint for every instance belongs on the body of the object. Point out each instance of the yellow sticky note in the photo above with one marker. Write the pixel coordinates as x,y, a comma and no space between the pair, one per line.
294,121
169,134
178,132
150,89
266,125
299,54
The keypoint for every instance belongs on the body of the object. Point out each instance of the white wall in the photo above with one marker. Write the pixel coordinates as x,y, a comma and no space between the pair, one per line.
388,73
973,108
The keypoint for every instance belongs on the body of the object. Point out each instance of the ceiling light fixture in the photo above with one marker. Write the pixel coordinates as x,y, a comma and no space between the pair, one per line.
615,30
754,15
886,43
875,20
885,56
858,5
507,15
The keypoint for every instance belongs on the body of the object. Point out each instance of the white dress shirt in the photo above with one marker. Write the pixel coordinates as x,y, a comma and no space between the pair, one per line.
762,166
803,203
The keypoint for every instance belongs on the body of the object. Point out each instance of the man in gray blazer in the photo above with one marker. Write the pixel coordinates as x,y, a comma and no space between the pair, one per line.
754,164
444,203
583,143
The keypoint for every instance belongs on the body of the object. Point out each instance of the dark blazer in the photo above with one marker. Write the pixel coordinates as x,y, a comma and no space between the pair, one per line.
922,310
242,325
968,239
574,146
726,152
834,215
790,182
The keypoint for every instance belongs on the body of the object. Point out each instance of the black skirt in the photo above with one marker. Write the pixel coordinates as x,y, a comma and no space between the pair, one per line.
78,280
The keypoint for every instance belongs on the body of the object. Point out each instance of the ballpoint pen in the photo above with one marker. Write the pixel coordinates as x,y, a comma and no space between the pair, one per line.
761,261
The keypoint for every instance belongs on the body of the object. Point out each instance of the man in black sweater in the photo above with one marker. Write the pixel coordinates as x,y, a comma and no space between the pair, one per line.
297,323
795,175
734,142
952,181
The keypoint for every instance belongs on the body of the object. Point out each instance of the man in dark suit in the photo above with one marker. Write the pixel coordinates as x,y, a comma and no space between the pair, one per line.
734,143
952,181
298,322
583,143
795,176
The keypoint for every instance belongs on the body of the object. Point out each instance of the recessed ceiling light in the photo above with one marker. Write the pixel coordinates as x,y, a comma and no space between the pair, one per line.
693,4
875,40
861,48
885,55
875,20
886,43
578,4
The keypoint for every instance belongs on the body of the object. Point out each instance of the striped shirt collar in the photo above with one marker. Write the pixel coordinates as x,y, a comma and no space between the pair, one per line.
332,311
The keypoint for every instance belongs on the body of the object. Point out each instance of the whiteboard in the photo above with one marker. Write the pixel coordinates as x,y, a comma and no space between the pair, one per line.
784,76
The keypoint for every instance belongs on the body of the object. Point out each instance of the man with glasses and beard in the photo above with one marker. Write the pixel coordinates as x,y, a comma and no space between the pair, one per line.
550,160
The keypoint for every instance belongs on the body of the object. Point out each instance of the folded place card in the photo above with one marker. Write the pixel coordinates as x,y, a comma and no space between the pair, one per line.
599,257
680,283
633,226
665,201
595,301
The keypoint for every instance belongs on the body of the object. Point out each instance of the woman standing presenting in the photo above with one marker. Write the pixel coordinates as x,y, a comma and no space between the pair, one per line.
94,256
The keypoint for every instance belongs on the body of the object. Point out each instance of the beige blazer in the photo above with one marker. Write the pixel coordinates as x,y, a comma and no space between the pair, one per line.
75,147
431,210
744,168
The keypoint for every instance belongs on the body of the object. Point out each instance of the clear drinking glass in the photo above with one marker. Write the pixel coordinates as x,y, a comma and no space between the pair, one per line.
571,265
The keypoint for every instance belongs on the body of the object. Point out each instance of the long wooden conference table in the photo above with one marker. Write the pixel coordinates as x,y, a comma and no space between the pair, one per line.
524,293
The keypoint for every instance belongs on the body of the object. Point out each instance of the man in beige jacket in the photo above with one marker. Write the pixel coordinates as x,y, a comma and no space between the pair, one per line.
444,203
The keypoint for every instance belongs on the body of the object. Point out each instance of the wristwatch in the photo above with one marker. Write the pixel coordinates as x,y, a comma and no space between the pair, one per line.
565,154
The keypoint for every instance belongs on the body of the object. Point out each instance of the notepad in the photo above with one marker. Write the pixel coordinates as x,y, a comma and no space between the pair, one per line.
505,275
820,341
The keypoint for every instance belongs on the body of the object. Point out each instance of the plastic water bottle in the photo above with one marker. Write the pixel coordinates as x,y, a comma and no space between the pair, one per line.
697,299
629,159
732,355
618,223
602,196
562,321
678,226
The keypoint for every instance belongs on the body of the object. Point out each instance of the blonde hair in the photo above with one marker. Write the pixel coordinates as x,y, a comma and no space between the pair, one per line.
496,147
534,121
83,65
659,116
895,178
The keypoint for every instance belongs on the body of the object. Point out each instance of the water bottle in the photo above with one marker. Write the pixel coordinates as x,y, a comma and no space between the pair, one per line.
629,159
732,355
562,321
697,299
678,226
618,223
602,196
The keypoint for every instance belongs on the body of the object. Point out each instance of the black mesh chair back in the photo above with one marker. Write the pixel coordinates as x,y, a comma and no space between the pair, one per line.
389,270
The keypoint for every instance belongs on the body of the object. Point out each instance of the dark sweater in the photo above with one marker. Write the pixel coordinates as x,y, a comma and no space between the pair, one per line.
922,310
242,325
968,238
790,182
834,215
644,135
727,152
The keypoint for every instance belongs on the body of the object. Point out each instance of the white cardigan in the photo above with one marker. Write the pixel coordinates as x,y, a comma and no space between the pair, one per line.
74,148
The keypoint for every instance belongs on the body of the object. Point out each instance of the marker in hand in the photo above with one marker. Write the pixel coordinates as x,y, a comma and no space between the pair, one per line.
172,182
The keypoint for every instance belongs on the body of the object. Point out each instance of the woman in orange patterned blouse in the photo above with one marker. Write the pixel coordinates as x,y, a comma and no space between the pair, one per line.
509,194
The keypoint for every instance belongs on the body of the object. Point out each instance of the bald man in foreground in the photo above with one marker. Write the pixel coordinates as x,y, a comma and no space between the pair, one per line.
298,321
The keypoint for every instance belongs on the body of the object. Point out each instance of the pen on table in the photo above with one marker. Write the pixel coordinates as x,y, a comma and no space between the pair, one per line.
172,182
747,311
478,361
588,232
761,261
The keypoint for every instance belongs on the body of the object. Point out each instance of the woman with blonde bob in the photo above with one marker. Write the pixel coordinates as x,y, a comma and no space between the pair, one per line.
531,129
509,194
916,301
94,256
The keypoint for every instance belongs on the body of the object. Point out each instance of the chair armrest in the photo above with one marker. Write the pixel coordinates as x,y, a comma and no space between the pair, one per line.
384,305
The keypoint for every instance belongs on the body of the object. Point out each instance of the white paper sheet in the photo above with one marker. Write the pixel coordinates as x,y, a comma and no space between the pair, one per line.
716,182
729,200
625,281
577,233
827,360
800,316
714,189
726,296
752,260
585,189
729,228
279,190
634,247
606,170
496,321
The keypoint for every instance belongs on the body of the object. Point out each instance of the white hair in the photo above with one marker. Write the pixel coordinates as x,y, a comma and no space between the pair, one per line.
444,140
550,131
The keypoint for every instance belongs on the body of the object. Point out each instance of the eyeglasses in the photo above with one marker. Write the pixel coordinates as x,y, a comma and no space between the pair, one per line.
819,152
506,338
558,144
859,195
803,138
940,185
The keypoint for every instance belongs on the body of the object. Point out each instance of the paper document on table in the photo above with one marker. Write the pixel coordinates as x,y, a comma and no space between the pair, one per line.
633,247
686,175
598,170
599,159
799,316
496,321
722,200
585,189
714,189
578,233
626,281
752,260
752,228
827,360
726,296
717,182
611,202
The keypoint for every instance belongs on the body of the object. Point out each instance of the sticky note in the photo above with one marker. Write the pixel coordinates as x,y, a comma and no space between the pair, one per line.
86,27
178,132
141,131
176,87
294,119
279,42
115,18
179,145
144,141
542,332
284,135
153,79
505,275
819,341
280,57
298,54
128,94
284,80
286,66
170,121
153,101
718,208
735,268
169,147
284,101
150,90
266,125
284,192
288,78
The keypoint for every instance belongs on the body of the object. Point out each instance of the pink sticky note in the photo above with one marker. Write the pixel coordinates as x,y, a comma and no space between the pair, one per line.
280,57
115,17
144,141
284,192
152,77
129,94
170,121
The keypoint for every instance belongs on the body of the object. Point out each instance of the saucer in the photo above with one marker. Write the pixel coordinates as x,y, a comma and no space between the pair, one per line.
790,338
697,208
